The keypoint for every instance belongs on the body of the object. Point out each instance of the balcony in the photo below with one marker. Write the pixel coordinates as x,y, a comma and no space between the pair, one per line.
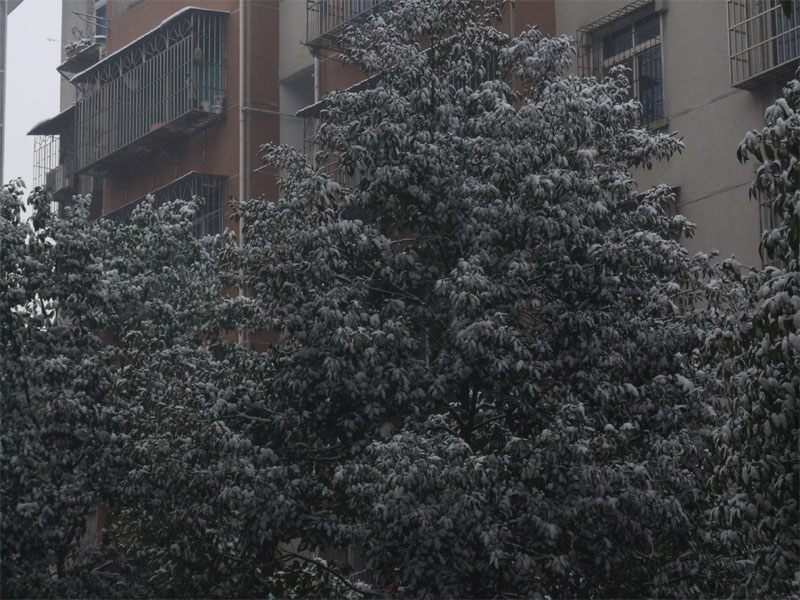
53,154
764,43
160,88
326,20
82,54
208,190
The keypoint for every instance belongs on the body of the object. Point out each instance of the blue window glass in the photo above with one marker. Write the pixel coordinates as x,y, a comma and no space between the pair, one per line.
648,28
617,42
101,20
650,83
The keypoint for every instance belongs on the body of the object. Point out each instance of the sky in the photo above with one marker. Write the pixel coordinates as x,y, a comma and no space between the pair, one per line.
32,82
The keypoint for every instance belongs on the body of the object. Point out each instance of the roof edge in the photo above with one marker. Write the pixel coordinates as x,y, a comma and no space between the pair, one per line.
75,78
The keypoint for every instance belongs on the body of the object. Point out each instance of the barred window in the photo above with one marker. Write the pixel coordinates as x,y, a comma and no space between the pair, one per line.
764,42
207,190
630,37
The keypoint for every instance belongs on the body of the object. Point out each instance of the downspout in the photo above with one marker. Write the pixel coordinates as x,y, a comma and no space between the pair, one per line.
248,118
316,99
242,148
316,78
242,132
3,32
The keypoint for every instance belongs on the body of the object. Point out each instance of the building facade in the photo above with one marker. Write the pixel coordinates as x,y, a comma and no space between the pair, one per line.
169,97
175,97
706,69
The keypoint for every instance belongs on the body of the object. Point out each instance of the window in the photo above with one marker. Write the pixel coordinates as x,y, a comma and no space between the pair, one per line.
101,18
630,37
764,42
207,190
637,46
326,19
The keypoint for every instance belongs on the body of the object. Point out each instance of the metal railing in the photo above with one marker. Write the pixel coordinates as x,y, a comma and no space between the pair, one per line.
207,190
326,19
763,40
171,81
53,164
630,37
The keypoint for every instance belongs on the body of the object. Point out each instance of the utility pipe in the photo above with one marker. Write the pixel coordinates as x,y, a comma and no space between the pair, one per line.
316,79
242,163
248,99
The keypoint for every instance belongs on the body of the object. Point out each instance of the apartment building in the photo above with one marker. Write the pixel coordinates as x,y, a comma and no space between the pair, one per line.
174,97
169,97
706,69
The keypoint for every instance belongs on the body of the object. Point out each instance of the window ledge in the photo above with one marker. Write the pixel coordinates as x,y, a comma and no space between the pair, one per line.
658,124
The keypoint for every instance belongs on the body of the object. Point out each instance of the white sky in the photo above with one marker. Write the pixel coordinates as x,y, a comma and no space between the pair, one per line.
32,82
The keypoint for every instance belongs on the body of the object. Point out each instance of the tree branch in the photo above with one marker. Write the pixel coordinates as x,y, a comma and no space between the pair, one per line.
290,555
492,419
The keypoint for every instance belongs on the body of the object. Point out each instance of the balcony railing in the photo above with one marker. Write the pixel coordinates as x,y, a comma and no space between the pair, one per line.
54,154
207,190
764,42
167,84
327,19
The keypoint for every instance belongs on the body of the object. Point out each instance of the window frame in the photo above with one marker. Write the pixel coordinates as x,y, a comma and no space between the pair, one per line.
634,53
592,47
763,43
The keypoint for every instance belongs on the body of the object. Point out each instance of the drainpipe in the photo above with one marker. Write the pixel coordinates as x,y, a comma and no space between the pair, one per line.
316,79
242,132
248,97
242,146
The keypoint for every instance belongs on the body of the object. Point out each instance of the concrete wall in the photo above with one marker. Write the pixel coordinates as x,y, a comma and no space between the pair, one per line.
72,28
294,56
708,113
295,70
295,93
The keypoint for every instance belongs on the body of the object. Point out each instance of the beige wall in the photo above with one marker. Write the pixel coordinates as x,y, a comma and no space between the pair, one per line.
707,112
72,28
294,56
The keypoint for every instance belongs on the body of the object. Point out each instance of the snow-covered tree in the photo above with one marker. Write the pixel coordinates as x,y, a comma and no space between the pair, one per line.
485,372
116,370
759,447
53,382
484,376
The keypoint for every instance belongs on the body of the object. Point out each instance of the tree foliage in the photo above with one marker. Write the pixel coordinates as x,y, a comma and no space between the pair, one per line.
487,344
758,445
486,371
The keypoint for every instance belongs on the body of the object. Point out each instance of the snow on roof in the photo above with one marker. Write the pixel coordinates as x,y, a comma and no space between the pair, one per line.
51,125
615,16
173,16
312,110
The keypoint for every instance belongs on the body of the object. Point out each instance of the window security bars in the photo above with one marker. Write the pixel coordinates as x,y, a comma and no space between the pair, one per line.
207,190
763,40
54,166
327,19
45,161
54,169
167,84
630,37
311,147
